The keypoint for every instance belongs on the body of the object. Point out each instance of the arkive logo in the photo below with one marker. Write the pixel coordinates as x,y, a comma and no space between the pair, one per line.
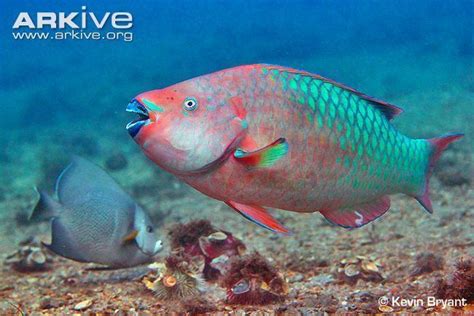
73,20
82,25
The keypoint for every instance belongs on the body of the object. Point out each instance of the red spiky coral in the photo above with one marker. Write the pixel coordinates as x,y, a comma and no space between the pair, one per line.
251,280
200,238
460,283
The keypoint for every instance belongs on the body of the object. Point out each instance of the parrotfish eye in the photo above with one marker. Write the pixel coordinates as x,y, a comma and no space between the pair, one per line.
190,104
149,229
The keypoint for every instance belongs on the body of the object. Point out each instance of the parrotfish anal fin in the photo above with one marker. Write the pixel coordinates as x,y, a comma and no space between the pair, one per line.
61,243
264,157
259,216
359,215
388,110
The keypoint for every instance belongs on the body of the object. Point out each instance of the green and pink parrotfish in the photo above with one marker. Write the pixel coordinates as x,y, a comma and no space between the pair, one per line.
259,136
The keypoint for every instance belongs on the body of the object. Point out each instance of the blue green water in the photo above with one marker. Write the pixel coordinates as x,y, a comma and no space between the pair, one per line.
389,49
62,97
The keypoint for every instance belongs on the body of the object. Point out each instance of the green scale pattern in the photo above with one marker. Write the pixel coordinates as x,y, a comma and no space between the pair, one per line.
377,149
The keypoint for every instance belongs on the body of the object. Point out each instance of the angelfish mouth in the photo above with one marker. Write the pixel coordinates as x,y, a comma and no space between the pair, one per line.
142,117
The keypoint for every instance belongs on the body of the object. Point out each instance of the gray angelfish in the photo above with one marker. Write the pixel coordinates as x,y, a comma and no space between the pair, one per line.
94,220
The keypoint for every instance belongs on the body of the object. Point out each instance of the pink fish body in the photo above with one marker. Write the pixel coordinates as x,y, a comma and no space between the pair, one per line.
261,136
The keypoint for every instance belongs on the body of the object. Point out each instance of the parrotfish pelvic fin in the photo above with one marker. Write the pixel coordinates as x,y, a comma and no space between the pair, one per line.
45,208
359,215
259,216
439,144
264,157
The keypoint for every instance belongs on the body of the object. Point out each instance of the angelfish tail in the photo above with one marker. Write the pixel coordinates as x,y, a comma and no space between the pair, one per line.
45,208
437,146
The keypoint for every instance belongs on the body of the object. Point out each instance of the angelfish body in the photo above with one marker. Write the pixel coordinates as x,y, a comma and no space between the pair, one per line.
268,136
94,220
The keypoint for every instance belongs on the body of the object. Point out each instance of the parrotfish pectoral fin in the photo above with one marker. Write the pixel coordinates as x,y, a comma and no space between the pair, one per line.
438,145
359,215
264,157
46,207
259,216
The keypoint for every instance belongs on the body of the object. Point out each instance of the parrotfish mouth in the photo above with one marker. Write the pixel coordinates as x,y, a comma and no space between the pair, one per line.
143,118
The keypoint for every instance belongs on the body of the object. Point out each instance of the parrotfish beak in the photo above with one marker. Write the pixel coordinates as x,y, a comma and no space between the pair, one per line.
143,118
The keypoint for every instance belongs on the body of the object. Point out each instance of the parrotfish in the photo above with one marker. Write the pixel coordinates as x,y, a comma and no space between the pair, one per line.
94,220
260,136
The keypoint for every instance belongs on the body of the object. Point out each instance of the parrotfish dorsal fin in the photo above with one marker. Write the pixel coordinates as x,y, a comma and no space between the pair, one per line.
259,216
387,109
358,215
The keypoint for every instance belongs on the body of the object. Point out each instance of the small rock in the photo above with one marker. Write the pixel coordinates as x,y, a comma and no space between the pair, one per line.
32,280
83,305
351,270
427,263
217,236
296,278
29,257
116,162
48,302
369,266
385,309
321,280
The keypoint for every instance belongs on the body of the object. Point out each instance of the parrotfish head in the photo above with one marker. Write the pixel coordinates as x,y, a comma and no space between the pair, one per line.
146,238
186,128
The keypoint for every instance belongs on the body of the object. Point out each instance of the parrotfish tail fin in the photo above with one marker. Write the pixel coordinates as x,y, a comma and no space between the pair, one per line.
438,145
45,208
358,215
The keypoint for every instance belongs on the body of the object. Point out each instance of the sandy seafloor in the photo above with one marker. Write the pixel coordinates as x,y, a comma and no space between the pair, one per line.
33,154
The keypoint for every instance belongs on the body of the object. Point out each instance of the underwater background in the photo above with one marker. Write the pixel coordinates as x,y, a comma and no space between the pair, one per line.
68,97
